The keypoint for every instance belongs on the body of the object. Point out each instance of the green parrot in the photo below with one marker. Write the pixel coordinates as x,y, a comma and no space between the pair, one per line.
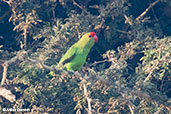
76,55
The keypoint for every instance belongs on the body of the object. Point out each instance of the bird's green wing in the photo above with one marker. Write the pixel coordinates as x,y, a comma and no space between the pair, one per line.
69,55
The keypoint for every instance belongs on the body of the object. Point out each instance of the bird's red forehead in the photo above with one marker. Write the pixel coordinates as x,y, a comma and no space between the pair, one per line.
92,33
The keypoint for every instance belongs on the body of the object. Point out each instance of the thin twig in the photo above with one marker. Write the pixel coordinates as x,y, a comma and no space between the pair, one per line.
121,31
98,62
130,108
149,76
154,13
5,65
75,3
127,20
151,71
86,94
21,57
149,7
40,63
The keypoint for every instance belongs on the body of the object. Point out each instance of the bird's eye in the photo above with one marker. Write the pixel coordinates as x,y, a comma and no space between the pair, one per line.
89,36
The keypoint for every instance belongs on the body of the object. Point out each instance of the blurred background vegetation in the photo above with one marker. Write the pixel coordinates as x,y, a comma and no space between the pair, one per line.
127,72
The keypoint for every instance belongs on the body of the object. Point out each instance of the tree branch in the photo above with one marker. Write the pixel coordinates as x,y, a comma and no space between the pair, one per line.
86,94
5,65
21,56
149,7
7,94
75,3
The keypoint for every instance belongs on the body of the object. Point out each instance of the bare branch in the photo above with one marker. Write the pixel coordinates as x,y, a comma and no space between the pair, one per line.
5,65
151,71
86,94
98,62
7,94
127,20
21,56
149,7
75,3
131,110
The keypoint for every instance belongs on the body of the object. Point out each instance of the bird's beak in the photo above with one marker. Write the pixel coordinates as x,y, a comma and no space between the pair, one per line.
95,38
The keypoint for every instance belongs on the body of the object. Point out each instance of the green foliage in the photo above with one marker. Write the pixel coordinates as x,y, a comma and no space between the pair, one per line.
156,60
116,81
